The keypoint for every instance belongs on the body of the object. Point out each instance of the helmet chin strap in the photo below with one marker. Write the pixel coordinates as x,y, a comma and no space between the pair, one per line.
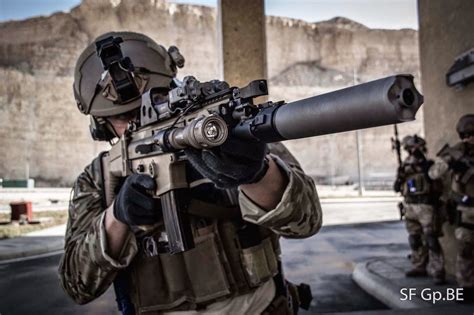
111,128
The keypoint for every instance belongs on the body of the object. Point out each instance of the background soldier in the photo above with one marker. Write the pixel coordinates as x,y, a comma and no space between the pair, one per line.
459,161
420,196
235,267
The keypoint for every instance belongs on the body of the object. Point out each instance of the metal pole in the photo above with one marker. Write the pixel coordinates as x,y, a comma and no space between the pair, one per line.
359,151
359,162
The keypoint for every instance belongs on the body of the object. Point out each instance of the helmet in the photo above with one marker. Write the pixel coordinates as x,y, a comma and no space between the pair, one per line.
465,126
112,72
414,142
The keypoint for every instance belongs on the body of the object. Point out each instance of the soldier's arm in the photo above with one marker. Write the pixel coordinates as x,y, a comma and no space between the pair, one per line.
268,192
87,268
439,169
296,212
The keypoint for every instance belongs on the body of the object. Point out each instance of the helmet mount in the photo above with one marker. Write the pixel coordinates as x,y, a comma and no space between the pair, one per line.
114,71
119,68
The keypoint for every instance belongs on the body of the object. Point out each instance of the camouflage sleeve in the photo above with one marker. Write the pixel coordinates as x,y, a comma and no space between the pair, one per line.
298,215
439,169
86,270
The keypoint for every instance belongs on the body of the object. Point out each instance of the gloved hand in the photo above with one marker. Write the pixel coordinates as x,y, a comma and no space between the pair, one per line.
134,205
397,185
458,166
233,163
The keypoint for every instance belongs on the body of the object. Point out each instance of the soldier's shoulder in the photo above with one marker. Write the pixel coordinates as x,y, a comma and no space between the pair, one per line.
92,173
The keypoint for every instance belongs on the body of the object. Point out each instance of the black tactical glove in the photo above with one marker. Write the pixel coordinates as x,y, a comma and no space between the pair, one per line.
134,205
397,185
233,163
458,166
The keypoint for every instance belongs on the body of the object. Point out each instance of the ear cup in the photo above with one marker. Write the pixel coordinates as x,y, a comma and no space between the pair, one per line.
99,130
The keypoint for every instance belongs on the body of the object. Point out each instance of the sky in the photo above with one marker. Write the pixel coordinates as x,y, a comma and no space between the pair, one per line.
391,14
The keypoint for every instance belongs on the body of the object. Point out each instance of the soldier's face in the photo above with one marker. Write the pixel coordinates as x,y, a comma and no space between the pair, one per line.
469,139
120,122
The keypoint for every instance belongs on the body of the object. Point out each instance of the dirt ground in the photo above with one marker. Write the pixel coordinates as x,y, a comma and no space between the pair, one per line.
45,219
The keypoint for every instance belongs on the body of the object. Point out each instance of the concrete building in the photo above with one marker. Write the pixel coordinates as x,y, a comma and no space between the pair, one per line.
445,32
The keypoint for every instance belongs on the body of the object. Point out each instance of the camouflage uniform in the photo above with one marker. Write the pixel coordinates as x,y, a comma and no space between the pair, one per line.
420,213
463,196
86,269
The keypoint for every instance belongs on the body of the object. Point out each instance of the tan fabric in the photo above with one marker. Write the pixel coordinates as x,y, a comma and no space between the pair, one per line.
250,303
465,254
419,222
465,257
297,215
464,236
439,169
85,244
86,270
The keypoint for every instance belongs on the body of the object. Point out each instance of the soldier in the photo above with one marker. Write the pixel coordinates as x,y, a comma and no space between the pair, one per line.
235,267
458,161
420,196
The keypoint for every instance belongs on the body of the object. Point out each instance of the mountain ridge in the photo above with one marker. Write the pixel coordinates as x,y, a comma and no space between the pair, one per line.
37,58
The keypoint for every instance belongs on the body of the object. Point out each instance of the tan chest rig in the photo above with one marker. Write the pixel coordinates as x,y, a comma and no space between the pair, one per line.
231,257
416,181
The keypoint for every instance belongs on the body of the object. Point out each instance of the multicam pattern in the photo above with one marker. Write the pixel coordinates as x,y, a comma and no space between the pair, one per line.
465,259
465,254
297,215
419,222
463,235
86,271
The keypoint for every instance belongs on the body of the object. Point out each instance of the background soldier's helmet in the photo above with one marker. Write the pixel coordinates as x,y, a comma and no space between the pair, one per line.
465,126
113,71
414,142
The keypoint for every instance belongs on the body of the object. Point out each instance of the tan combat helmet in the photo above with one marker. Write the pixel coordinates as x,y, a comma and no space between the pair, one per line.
112,72
414,142
465,126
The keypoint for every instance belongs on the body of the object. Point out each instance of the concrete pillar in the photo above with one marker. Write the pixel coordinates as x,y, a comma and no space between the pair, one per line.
445,32
242,40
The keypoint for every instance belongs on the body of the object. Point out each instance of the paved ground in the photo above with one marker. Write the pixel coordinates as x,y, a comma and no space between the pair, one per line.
335,211
58,198
384,278
325,261
34,243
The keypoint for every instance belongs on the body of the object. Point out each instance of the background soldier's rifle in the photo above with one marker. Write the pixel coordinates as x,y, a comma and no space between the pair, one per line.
202,115
396,147
457,158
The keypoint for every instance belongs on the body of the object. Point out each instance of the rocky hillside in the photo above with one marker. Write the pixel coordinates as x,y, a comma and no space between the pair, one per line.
44,135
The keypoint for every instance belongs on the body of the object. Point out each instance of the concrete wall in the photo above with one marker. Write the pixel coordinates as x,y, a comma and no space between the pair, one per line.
445,32
41,126
242,41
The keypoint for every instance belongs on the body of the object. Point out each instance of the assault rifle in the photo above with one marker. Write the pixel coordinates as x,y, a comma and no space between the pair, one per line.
203,115
396,147
453,156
